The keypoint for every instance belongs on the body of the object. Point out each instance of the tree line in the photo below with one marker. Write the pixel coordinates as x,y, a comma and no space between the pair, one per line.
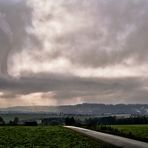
88,122
92,122
11,122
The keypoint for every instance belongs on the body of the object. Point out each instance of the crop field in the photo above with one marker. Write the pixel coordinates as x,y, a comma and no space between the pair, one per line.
45,137
137,131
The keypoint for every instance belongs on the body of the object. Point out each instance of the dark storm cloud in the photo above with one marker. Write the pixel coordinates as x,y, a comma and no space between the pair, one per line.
56,82
69,87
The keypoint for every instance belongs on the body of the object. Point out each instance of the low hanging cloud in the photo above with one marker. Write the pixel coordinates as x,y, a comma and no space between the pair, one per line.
74,51
65,88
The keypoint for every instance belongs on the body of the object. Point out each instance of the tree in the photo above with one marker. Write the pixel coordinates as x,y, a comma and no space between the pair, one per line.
10,122
16,121
31,123
2,122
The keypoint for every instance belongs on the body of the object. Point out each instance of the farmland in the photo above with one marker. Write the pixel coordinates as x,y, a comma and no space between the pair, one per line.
47,136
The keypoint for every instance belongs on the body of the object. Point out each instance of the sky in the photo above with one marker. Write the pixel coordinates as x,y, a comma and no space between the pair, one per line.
70,51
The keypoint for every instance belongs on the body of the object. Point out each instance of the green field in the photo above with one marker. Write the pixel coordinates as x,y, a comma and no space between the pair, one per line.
45,137
137,131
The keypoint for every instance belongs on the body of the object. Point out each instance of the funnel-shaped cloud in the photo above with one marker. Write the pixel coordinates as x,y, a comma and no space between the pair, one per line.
14,19
5,43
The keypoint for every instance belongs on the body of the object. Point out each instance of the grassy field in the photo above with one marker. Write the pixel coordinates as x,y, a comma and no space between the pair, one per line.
139,131
45,137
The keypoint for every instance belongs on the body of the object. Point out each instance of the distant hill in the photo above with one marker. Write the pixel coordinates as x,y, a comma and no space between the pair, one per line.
83,109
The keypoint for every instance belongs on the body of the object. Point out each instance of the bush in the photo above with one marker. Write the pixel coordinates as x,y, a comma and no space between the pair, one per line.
70,121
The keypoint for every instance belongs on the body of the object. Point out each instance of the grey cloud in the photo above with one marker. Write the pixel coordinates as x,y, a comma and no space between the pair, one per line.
70,87
112,32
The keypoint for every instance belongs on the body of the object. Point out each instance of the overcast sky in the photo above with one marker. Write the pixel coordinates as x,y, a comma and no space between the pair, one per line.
73,51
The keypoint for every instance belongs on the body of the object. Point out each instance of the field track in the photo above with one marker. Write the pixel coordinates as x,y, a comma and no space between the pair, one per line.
115,140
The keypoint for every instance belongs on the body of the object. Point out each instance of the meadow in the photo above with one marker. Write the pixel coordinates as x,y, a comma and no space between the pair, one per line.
45,137
136,131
